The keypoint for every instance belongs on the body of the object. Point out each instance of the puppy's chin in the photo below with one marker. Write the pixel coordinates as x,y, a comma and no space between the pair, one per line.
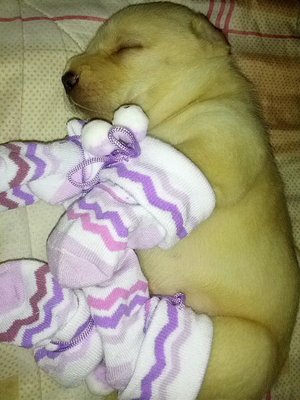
98,109
83,110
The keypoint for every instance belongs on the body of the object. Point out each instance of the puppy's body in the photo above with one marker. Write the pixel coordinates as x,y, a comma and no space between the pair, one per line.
239,266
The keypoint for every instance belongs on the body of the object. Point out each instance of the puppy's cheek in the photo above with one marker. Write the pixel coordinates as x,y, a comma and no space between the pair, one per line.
95,101
101,88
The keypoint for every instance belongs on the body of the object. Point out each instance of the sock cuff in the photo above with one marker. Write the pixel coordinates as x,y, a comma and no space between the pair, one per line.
174,355
77,322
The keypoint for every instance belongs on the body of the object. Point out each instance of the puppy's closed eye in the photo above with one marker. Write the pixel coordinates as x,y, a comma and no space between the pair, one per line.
127,46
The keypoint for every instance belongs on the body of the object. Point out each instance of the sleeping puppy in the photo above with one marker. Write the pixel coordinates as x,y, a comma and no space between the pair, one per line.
239,266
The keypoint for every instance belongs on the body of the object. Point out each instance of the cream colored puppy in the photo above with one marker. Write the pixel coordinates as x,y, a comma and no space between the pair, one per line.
239,266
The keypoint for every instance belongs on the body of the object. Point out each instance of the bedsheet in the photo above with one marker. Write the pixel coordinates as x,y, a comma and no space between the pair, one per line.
36,39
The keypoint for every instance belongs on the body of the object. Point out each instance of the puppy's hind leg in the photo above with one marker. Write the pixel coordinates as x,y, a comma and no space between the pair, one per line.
244,361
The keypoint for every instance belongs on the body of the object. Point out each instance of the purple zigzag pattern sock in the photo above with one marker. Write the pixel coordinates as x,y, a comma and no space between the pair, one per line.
33,304
23,162
150,191
119,314
104,222
175,337
176,361
160,357
112,216
174,192
36,312
30,169
17,197
75,350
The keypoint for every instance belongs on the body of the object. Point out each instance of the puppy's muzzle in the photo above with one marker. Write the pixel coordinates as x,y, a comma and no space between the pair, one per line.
70,80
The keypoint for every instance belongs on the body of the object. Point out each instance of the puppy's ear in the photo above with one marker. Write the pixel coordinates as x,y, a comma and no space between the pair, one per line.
205,31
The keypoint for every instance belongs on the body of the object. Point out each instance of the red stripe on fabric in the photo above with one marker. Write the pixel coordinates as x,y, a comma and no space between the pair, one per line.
211,8
6,202
22,165
229,16
261,34
220,14
59,18
210,11
268,396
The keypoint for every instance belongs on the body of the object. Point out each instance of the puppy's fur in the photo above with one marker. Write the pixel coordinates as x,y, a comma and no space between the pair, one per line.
239,266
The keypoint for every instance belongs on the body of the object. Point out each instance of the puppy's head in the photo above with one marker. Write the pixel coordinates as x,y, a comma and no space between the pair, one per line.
148,54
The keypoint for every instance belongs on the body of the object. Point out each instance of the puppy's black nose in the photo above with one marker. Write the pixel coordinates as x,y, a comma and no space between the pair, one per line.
69,80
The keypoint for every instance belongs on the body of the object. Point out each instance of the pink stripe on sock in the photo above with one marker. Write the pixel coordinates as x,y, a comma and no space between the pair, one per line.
117,294
101,230
112,192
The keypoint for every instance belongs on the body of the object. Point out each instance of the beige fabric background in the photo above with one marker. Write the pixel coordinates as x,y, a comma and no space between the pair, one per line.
36,39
